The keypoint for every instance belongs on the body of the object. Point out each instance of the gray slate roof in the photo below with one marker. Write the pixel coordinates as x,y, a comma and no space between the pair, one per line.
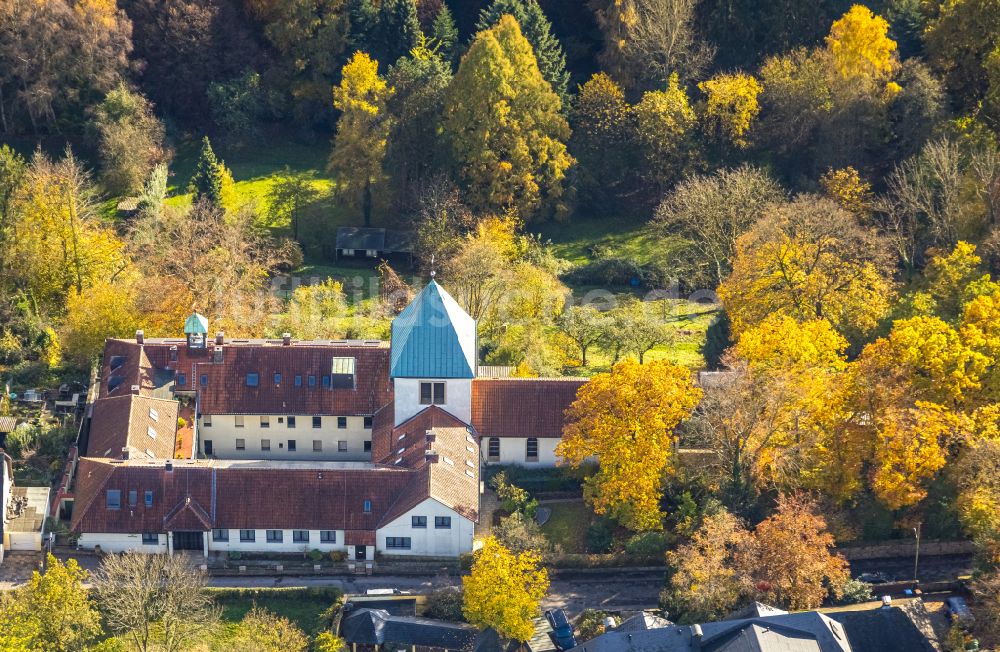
378,627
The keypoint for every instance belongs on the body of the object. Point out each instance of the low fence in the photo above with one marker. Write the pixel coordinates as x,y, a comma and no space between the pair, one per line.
893,549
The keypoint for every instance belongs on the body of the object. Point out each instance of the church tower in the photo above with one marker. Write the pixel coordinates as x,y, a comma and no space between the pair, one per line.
434,355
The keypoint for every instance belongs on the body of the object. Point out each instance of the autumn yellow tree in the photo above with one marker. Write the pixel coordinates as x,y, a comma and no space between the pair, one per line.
809,259
626,419
791,560
707,580
860,44
731,105
846,187
663,123
359,146
503,590
101,311
506,128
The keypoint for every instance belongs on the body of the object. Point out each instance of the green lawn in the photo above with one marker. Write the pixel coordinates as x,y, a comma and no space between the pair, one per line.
576,239
304,607
567,527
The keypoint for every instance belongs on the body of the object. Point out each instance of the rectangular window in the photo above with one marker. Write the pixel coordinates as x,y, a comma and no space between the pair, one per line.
398,543
291,444
367,507
150,538
298,381
114,499
241,444
368,446
220,535
204,380
274,536
277,379
149,499
300,536
326,381
265,421
238,420
291,422
328,536
265,444
312,380
432,393
248,536
442,522
342,446
133,498
317,422
317,445
418,521
368,423
182,379
493,448
252,379
206,420
341,423
208,447
531,450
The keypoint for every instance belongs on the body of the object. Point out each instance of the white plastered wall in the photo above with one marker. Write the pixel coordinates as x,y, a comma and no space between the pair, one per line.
223,434
429,541
513,450
457,397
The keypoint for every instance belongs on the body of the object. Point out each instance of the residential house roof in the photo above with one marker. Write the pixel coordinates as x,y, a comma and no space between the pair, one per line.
874,630
522,407
143,424
379,627
236,495
433,338
372,239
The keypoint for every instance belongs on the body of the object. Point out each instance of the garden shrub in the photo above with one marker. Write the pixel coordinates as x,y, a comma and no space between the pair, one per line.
647,545
600,536
445,604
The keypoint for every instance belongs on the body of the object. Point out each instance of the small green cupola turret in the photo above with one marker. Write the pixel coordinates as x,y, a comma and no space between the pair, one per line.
196,331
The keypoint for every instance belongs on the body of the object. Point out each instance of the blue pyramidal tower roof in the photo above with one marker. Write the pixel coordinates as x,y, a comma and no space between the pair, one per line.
433,338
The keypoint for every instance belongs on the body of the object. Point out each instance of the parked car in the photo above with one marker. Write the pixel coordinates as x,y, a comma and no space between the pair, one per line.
877,577
562,631
957,611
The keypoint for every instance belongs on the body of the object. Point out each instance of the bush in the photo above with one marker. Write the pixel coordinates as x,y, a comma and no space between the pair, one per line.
235,555
520,533
315,555
647,545
600,536
590,624
512,497
23,439
854,592
338,555
445,604
181,422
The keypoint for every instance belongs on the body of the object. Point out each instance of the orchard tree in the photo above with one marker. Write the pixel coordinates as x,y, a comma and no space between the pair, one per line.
626,419
264,631
503,590
538,30
505,126
289,196
359,147
584,325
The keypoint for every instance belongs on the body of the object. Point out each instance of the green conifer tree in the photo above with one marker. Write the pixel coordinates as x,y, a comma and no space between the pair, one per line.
444,33
206,182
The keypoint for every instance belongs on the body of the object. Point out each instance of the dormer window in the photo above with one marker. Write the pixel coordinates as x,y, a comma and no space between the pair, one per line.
252,379
342,373
312,381
367,507
298,381
116,362
277,379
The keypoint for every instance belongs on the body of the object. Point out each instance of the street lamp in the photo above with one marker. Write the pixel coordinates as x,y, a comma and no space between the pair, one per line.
916,556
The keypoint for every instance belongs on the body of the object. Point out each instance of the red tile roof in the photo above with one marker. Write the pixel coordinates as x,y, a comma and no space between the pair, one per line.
522,407
239,495
154,363
125,422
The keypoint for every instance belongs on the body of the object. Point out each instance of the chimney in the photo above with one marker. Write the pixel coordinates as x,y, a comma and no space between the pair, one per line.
169,466
135,389
696,636
217,354
220,338
125,452
431,456
886,601
286,339
140,337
